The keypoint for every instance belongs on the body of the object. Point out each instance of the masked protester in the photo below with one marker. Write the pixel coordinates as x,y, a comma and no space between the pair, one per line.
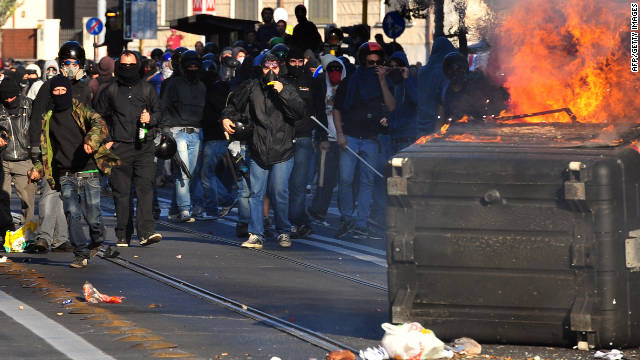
33,74
273,106
362,101
152,74
15,110
329,80
183,101
132,106
308,91
71,61
50,70
74,153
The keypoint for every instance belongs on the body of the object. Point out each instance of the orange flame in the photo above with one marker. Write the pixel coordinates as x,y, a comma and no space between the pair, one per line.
472,138
569,53
443,130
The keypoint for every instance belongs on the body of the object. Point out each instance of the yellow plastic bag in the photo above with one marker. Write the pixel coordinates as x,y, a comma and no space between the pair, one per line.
16,241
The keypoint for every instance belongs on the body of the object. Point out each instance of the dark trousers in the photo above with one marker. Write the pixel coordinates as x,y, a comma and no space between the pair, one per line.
137,166
81,199
322,198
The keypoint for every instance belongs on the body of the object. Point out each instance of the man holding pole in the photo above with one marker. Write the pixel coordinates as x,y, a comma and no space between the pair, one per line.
362,101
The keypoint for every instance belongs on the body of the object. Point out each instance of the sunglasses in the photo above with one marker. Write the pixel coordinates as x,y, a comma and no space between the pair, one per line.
70,62
375,62
270,65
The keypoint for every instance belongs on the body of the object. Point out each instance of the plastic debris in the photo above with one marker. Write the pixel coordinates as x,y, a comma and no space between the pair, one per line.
614,354
376,353
16,241
341,355
92,295
412,342
21,307
466,346
3,259
59,314
178,256
66,302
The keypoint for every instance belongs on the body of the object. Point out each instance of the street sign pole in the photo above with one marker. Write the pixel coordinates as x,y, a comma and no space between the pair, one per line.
95,48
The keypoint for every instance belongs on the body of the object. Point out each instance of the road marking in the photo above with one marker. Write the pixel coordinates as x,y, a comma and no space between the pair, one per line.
61,338
355,254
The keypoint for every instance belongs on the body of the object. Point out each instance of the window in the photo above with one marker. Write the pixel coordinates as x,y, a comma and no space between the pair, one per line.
320,11
246,9
175,9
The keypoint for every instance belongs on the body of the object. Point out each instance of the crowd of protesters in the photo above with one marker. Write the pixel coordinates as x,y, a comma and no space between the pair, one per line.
248,124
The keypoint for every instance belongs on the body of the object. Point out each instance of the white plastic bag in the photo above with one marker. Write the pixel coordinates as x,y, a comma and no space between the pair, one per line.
412,342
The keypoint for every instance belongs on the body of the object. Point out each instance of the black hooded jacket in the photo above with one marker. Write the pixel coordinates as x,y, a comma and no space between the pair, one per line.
273,116
121,106
309,92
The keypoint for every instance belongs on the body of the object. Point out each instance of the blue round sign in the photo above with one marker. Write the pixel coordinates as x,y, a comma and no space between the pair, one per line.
393,24
94,26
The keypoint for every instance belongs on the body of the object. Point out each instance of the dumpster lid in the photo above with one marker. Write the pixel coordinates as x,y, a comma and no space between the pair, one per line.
204,24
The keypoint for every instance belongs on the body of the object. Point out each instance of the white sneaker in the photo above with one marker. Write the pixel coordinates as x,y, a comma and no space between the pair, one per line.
184,216
254,241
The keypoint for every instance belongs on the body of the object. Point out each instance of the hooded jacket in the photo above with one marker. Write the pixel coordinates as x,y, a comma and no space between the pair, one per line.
121,105
35,87
308,89
431,82
106,67
402,120
327,92
182,103
272,115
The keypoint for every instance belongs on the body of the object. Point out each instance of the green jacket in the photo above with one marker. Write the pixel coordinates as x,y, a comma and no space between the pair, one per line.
95,130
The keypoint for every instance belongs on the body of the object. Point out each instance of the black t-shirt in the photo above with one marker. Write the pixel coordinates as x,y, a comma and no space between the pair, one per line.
68,143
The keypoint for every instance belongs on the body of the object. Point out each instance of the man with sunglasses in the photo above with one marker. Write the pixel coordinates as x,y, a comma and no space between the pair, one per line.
362,101
310,94
273,106
125,104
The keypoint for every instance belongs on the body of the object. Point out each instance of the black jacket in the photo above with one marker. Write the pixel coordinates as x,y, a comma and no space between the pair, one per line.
309,92
306,36
182,103
121,105
17,128
42,103
217,94
273,117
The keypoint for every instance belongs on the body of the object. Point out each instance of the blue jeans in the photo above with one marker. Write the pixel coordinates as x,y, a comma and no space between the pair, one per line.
302,159
379,205
189,150
213,190
277,178
52,225
368,150
81,198
244,211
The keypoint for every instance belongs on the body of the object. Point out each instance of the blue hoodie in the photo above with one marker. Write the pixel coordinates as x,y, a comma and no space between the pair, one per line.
431,82
402,121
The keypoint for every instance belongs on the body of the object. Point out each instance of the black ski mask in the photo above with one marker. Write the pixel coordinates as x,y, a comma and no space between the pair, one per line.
127,74
64,101
9,89
395,75
270,77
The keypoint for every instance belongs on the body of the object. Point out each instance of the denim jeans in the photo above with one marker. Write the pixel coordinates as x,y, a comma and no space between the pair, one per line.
52,225
298,180
214,191
379,201
189,150
323,195
277,178
244,211
81,198
368,150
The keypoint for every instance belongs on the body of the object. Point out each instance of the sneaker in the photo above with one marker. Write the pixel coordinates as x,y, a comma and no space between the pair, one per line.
203,216
254,241
64,247
284,240
224,211
300,232
242,230
345,227
184,217
79,262
109,251
93,249
151,239
123,242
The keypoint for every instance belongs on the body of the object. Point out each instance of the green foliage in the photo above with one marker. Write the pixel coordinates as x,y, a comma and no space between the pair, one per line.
7,8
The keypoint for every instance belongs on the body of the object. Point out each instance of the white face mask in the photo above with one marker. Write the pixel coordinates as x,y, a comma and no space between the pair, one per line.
240,59
166,72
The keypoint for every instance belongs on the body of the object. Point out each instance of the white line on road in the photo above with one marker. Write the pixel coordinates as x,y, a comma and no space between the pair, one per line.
65,341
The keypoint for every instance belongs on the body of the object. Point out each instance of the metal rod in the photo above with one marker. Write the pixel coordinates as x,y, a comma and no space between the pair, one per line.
348,148
539,113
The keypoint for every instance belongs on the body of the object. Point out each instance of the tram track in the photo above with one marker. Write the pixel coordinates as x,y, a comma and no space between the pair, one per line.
300,332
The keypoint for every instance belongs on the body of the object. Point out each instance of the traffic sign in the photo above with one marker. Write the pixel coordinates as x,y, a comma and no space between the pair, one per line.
94,26
393,24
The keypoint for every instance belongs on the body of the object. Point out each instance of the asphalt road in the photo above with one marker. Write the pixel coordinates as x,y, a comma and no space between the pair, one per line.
335,287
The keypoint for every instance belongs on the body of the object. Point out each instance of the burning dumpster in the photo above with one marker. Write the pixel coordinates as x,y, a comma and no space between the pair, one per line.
521,229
